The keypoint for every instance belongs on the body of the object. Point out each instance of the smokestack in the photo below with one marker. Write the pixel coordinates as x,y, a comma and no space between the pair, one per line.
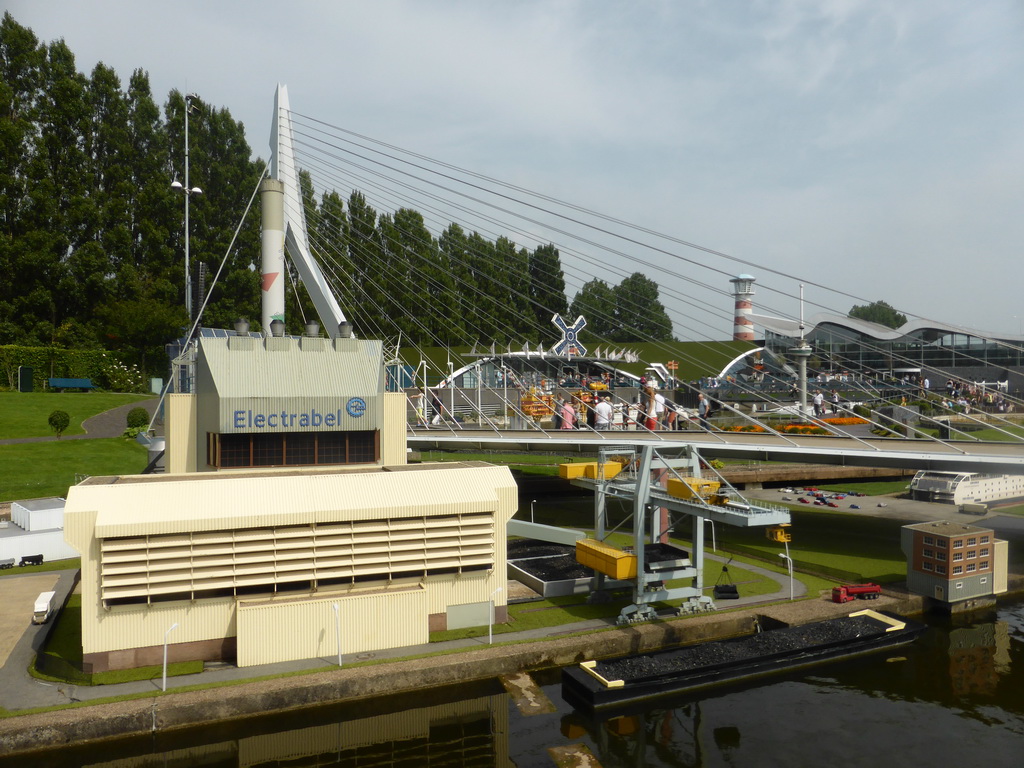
272,269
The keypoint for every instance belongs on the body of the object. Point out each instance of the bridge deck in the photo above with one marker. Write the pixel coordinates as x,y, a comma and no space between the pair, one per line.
962,456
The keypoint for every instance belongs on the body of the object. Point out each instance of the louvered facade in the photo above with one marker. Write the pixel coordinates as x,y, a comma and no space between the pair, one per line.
313,557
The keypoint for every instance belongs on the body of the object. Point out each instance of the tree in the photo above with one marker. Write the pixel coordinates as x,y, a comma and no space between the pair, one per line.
596,302
640,314
547,287
58,422
879,312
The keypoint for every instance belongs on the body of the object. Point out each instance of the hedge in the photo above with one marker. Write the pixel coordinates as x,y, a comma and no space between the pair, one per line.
105,370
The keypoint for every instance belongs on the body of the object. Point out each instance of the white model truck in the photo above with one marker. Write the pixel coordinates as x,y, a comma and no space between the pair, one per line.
45,604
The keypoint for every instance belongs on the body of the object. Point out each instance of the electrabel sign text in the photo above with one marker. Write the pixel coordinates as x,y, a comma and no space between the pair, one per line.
355,408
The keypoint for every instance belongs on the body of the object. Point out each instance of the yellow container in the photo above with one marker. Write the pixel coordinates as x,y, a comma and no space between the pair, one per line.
692,487
606,559
576,469
610,470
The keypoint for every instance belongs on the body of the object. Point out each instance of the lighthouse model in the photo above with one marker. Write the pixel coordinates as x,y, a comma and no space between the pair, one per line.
743,290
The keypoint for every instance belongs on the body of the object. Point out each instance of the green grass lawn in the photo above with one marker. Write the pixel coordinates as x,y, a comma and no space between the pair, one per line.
556,611
869,546
524,463
36,470
24,414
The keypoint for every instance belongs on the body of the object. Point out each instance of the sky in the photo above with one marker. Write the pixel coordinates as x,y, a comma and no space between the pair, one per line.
871,150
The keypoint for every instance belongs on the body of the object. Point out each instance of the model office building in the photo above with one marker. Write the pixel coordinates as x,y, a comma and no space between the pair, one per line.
950,562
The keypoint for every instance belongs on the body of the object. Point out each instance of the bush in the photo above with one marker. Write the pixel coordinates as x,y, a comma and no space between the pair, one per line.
137,417
59,421
118,377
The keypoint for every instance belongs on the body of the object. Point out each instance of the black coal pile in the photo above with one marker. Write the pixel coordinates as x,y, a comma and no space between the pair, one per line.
658,553
763,645
519,548
555,568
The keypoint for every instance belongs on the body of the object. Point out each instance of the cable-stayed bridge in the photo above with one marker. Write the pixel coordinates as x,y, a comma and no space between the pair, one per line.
340,158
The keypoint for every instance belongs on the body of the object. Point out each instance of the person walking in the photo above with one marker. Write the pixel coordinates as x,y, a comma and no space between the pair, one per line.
603,413
819,403
659,410
650,418
702,410
567,414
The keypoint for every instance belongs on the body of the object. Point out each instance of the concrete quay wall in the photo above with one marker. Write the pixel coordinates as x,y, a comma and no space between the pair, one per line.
160,712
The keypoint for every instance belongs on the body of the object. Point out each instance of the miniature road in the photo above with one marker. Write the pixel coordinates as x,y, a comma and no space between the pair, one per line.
22,638
20,593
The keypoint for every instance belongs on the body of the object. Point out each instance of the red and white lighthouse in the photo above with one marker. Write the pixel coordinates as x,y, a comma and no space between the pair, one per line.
743,290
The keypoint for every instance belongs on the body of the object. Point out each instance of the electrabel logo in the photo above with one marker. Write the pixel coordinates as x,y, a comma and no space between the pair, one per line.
355,407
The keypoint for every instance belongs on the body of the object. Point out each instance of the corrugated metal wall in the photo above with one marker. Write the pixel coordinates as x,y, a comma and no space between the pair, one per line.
142,626
393,446
272,631
180,432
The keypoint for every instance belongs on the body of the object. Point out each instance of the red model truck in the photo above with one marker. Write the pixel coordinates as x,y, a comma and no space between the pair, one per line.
848,592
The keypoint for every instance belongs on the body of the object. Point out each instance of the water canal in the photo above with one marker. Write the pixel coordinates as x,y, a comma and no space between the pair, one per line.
955,697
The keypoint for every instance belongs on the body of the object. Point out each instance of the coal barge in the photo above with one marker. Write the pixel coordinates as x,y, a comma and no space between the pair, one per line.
604,684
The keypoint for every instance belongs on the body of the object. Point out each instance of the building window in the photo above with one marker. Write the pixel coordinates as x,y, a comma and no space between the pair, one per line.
958,544
983,566
940,569
957,569
959,585
983,552
927,567
971,567
971,554
929,540
291,449
958,556
928,553
983,580
984,539
972,541
941,543
940,556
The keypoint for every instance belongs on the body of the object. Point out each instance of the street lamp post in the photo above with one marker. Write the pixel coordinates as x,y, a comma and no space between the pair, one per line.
714,544
170,629
789,565
337,628
188,191
490,618
531,509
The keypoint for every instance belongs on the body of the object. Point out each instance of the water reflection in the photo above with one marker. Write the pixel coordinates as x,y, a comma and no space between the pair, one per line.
472,732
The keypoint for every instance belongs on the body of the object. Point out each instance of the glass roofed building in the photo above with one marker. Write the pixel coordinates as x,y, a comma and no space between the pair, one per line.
928,348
